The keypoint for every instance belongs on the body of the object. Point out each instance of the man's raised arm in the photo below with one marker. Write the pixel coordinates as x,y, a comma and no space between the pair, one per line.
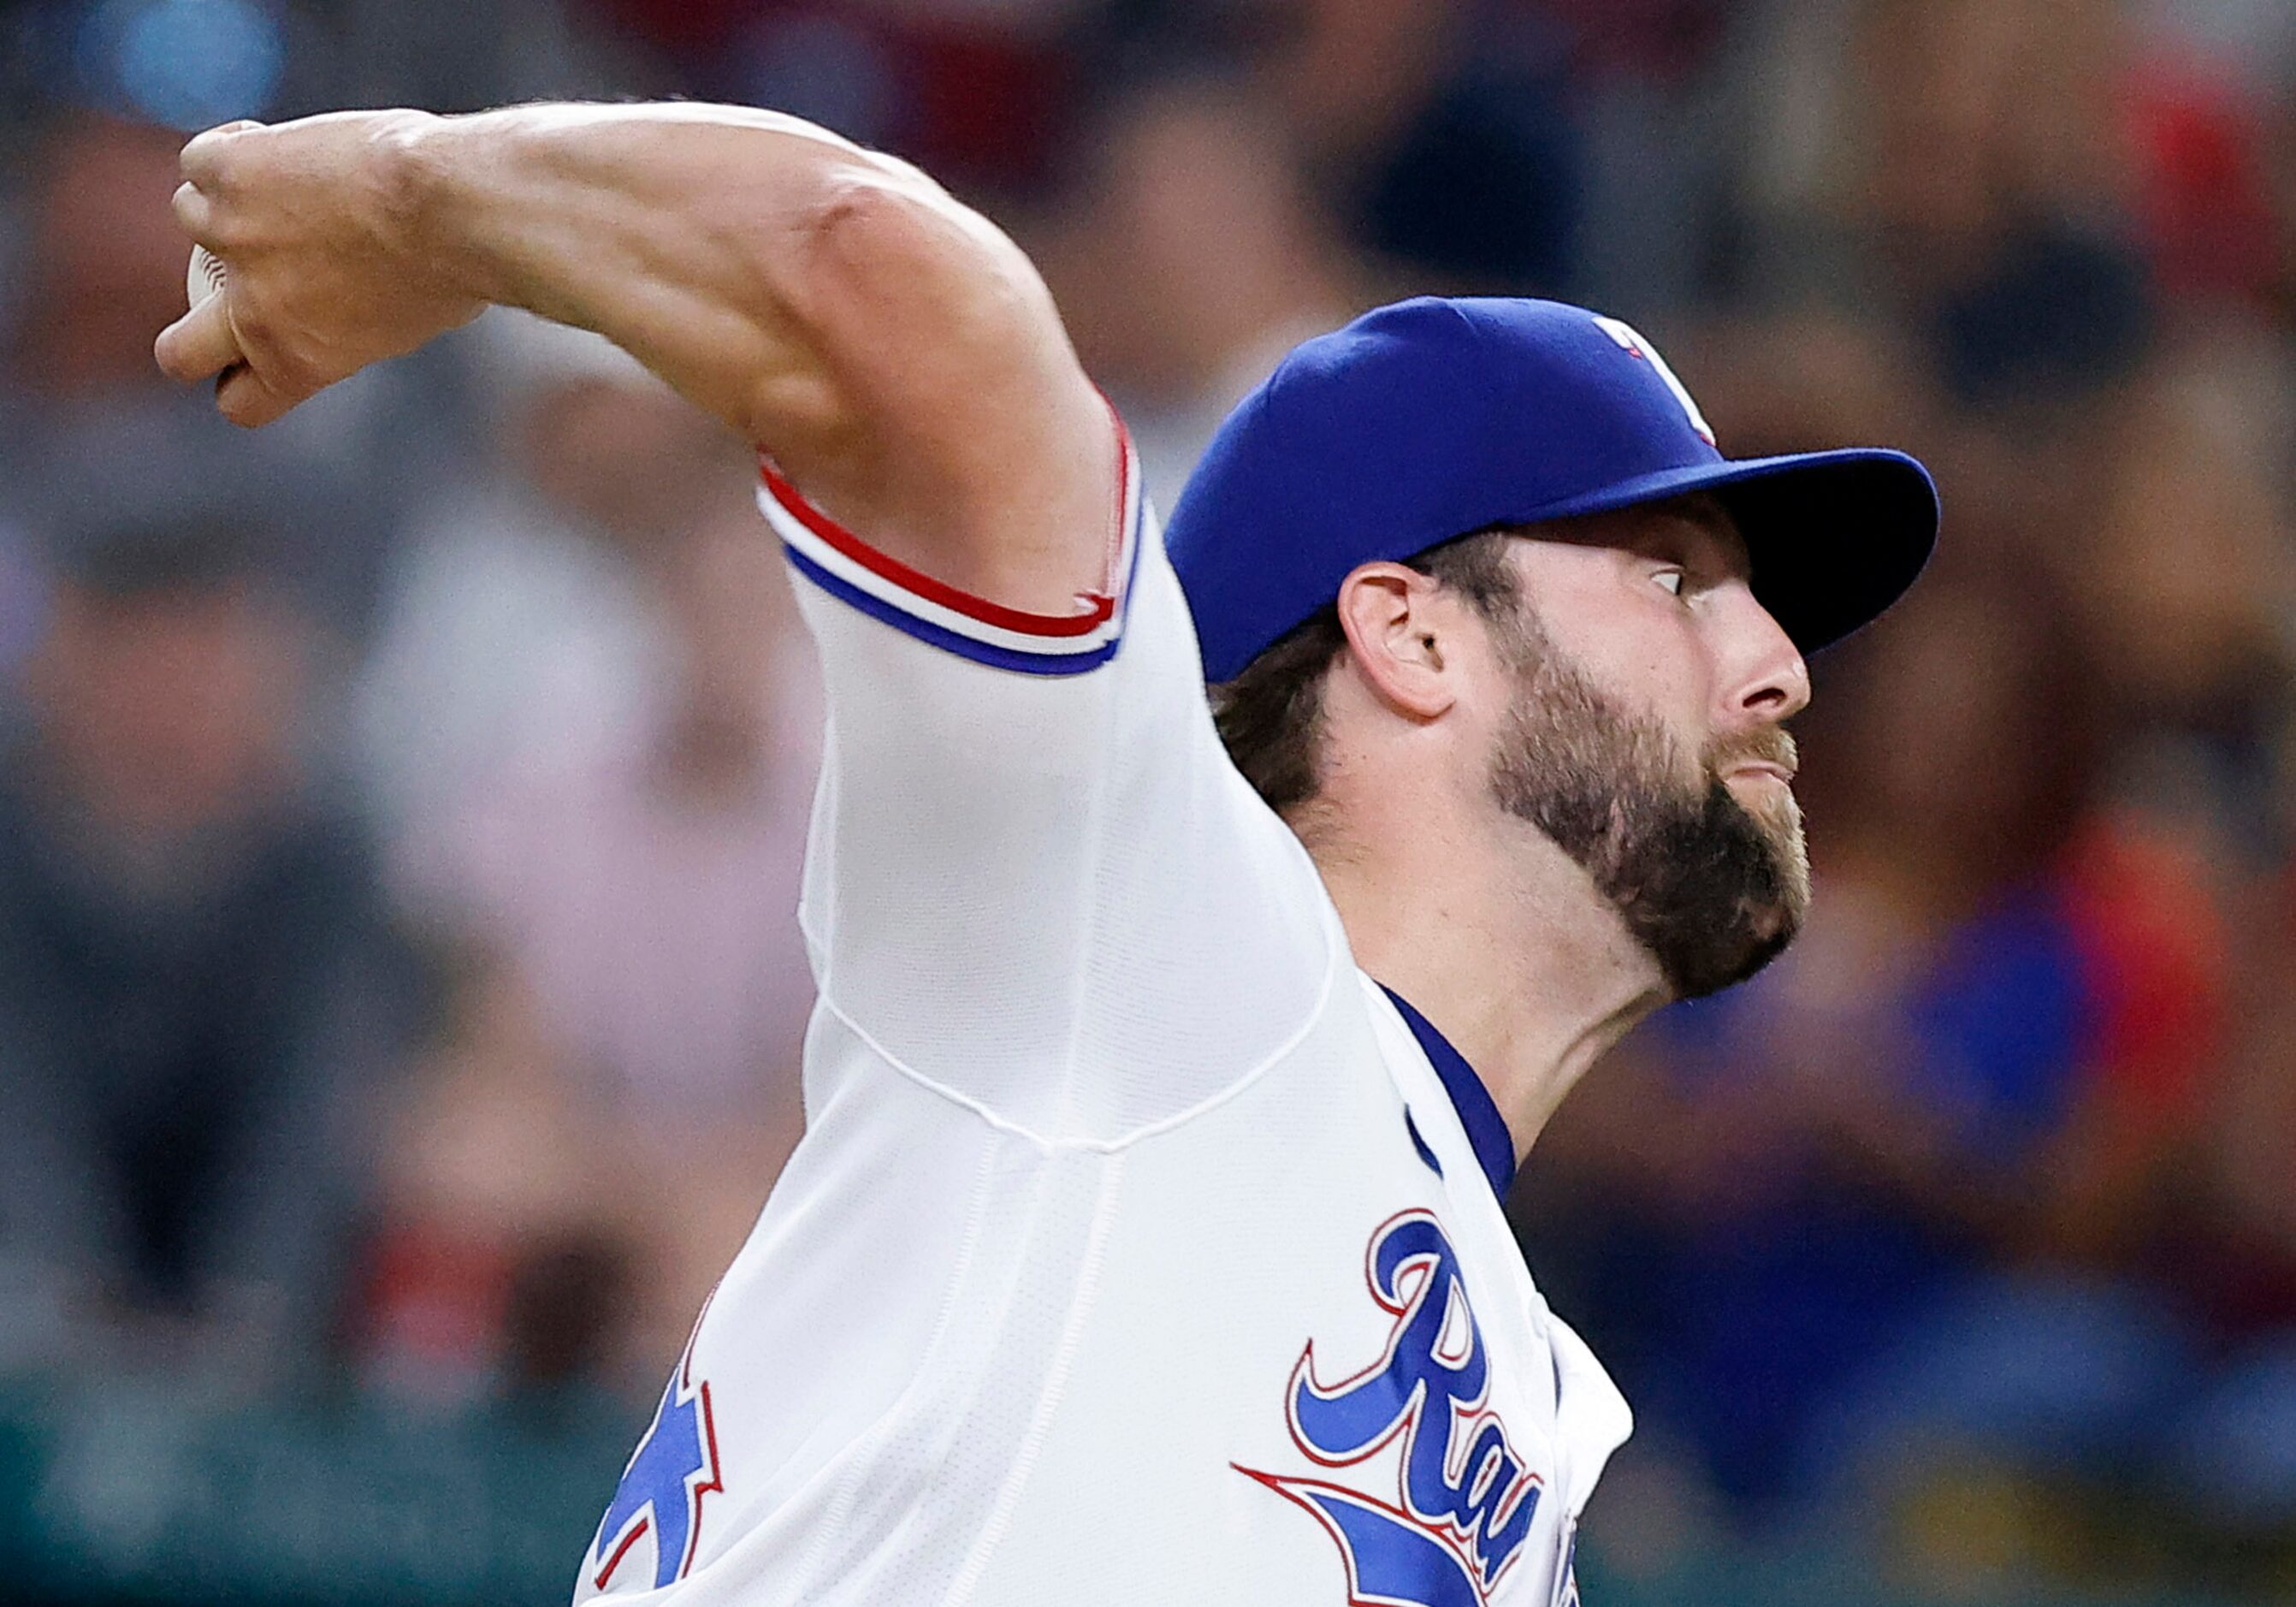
895,353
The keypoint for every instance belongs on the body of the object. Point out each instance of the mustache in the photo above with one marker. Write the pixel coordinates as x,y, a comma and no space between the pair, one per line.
1771,745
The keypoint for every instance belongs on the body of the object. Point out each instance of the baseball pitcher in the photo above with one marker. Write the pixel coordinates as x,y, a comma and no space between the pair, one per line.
1175,1048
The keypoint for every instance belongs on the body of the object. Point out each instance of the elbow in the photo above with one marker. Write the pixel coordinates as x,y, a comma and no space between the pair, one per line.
888,300
866,215
887,260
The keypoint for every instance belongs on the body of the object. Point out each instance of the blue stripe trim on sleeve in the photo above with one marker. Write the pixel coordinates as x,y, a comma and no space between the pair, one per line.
950,641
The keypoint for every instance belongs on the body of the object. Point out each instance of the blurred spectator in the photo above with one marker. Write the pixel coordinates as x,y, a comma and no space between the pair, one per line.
1981,1050
514,630
2198,121
1443,132
1961,1233
89,431
976,94
623,1073
2229,1255
1959,166
648,893
2183,588
190,64
105,269
1199,259
1785,378
446,55
200,996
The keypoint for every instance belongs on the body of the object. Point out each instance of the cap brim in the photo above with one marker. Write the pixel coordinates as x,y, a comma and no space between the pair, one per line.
1834,537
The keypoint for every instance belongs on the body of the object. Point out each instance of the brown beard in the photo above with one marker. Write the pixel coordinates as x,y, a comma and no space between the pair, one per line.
1711,890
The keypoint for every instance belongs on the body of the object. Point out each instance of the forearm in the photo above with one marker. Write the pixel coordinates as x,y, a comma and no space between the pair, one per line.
687,235
890,346
892,350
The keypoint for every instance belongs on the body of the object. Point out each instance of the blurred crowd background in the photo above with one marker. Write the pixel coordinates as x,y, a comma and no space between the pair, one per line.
399,990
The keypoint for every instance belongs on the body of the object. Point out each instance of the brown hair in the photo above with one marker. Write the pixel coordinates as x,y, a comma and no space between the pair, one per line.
1271,716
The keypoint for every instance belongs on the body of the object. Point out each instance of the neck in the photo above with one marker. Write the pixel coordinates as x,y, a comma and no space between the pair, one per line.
1506,948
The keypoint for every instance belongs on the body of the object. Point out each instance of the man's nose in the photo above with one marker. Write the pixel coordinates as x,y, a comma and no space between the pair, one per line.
1764,680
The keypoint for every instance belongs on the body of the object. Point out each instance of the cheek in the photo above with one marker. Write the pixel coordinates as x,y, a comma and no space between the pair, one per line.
1651,662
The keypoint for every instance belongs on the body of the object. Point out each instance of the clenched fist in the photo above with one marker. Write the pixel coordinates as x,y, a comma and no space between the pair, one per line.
317,223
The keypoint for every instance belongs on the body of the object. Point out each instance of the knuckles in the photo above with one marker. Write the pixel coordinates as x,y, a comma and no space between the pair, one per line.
210,160
304,305
203,164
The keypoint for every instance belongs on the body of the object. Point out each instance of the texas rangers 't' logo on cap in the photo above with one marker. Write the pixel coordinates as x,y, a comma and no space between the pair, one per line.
1631,339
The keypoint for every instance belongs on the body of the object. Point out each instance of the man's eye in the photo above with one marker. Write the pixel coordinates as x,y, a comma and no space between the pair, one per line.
1673,579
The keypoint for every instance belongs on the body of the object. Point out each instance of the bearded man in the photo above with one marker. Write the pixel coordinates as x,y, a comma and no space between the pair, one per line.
1145,1243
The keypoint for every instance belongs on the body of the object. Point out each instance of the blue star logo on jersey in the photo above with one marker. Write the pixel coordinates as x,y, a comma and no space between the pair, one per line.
1464,1499
674,1467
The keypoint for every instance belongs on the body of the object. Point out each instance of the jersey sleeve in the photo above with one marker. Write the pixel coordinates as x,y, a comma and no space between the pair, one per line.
1034,881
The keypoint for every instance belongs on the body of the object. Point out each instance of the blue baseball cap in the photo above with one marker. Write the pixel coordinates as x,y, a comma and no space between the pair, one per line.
1431,418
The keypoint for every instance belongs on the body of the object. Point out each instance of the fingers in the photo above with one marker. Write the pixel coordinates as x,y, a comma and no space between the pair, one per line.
194,212
199,344
246,398
203,343
203,157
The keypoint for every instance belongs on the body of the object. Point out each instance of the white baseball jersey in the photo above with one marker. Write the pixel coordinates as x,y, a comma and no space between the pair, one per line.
1140,1249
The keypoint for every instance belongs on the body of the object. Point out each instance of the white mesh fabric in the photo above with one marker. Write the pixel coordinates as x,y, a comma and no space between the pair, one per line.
1053,896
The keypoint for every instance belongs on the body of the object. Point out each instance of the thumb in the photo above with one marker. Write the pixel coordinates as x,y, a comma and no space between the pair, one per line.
199,343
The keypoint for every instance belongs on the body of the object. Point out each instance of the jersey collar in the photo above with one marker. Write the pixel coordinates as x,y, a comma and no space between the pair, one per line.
1479,1113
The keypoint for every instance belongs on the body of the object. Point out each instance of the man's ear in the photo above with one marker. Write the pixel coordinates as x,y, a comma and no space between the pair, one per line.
1389,612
